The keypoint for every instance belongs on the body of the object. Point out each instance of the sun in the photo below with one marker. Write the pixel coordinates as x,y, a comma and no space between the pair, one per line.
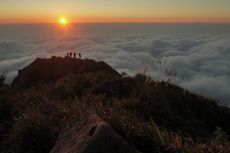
63,21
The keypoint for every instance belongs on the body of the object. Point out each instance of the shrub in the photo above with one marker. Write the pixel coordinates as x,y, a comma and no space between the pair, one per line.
33,134
5,111
220,136
2,79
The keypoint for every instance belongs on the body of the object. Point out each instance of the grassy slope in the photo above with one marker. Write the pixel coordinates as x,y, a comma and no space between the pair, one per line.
153,116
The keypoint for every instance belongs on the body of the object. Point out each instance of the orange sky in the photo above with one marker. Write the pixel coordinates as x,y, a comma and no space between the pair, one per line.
152,11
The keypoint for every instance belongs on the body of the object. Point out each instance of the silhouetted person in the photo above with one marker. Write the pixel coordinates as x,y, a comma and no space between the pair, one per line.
74,55
70,54
67,55
79,55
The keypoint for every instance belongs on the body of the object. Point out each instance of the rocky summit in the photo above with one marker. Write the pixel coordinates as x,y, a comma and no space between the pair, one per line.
43,71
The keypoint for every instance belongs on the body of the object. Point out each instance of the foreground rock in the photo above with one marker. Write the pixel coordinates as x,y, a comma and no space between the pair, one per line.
91,135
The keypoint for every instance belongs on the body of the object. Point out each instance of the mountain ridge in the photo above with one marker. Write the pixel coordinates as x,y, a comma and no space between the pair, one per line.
50,93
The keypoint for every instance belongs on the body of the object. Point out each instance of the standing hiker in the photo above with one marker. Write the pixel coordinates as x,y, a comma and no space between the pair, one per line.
70,54
79,55
74,55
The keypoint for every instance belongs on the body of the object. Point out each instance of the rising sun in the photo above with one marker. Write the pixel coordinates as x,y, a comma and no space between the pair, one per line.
63,21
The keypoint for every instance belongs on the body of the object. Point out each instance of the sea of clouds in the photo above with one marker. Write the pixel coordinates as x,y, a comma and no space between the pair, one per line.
200,63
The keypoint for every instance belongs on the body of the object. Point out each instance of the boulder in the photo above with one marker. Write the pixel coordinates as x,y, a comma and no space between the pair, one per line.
91,135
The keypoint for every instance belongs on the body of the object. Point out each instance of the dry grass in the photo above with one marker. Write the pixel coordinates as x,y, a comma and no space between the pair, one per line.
40,115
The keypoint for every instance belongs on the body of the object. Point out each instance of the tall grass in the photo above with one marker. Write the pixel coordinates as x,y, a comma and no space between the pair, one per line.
39,116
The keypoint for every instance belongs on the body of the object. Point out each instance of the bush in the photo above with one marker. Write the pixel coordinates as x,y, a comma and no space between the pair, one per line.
33,136
5,111
220,136
2,79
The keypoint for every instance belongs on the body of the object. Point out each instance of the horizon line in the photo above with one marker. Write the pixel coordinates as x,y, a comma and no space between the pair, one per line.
30,23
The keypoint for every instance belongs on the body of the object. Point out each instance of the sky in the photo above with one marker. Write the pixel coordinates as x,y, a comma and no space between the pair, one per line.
153,11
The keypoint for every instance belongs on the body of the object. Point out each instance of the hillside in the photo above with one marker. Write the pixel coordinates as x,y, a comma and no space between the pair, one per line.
150,115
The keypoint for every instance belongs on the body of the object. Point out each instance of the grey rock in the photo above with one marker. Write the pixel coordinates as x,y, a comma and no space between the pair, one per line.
91,135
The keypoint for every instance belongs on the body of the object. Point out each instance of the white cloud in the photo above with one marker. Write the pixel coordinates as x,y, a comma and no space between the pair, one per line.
199,63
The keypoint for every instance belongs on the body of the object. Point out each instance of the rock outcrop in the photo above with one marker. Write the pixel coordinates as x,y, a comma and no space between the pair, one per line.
91,135
44,71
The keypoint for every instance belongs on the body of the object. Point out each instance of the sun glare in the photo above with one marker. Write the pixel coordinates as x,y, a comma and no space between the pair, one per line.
63,21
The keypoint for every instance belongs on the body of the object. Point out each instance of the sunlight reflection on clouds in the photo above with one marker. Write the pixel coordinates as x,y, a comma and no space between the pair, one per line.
198,63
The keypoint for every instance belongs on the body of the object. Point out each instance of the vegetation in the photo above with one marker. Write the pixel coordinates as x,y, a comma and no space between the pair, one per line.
2,79
220,136
155,117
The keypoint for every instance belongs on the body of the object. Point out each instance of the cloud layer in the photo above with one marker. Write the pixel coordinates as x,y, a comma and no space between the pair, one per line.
199,63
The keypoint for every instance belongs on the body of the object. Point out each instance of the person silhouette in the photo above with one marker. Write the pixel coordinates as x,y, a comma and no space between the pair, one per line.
74,55
79,55
67,54
70,54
